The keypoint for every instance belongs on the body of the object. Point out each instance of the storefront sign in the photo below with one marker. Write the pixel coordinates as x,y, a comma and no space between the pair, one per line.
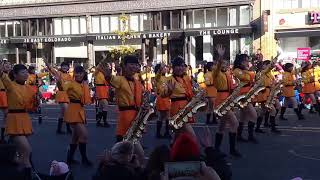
134,36
48,39
219,32
4,41
303,54
314,17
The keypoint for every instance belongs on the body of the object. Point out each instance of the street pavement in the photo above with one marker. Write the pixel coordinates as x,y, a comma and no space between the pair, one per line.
294,153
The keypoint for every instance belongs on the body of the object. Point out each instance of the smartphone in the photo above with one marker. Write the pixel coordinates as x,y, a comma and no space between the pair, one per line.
185,170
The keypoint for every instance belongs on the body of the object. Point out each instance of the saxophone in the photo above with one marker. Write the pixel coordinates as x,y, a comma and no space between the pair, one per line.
275,90
254,91
183,115
136,130
231,101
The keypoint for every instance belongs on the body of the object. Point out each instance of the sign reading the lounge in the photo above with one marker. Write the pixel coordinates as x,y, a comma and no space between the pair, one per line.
4,41
219,32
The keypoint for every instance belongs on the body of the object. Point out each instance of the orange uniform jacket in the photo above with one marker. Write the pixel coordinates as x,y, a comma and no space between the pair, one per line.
308,82
129,100
102,90
244,76
288,84
317,78
223,82
3,96
18,121
163,104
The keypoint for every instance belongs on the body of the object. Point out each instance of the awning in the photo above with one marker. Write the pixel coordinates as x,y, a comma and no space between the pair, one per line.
297,33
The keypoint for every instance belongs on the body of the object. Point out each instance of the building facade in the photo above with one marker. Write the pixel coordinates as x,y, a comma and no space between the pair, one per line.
297,26
84,31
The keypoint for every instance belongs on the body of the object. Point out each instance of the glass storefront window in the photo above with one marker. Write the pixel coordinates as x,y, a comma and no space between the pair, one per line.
189,19
33,27
211,18
105,25
25,28
57,26
222,14
49,27
95,27
17,28
9,25
134,22
156,21
124,26
42,27
244,15
66,26
176,20
2,29
114,20
75,25
83,25
232,16
165,20
198,19
145,22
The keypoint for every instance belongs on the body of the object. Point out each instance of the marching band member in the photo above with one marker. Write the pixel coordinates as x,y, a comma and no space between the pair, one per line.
241,71
162,104
201,79
61,96
3,100
102,95
18,122
146,77
308,87
179,89
79,95
317,83
268,81
211,92
129,92
289,83
223,82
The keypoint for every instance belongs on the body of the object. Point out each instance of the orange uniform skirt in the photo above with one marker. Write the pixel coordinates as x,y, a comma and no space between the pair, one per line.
176,106
62,97
262,96
102,92
18,124
163,104
3,99
288,91
221,97
125,119
245,90
308,88
75,114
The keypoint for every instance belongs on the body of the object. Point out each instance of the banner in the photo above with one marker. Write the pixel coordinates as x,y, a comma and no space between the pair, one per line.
303,54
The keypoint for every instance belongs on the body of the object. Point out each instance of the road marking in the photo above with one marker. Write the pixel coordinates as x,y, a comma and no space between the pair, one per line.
302,156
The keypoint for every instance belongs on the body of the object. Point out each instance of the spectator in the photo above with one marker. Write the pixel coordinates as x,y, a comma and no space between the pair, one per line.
156,162
120,164
9,168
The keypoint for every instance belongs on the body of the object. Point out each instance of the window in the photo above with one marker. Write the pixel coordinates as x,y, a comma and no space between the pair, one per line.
176,20
95,28
134,22
49,27
41,27
288,4
66,26
114,23
198,18
17,27
9,25
232,16
222,17
165,20
145,21
244,15
306,4
124,25
25,28
189,19
105,25
33,27
156,21
83,25
211,18
2,29
57,26
75,25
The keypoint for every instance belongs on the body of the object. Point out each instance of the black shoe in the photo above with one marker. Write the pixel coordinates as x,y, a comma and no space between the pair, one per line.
106,125
99,124
60,132
283,118
253,140
241,139
87,162
259,131
266,125
73,162
235,154
301,117
275,130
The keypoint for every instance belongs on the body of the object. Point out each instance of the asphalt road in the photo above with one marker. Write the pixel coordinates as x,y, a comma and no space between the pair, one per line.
294,153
